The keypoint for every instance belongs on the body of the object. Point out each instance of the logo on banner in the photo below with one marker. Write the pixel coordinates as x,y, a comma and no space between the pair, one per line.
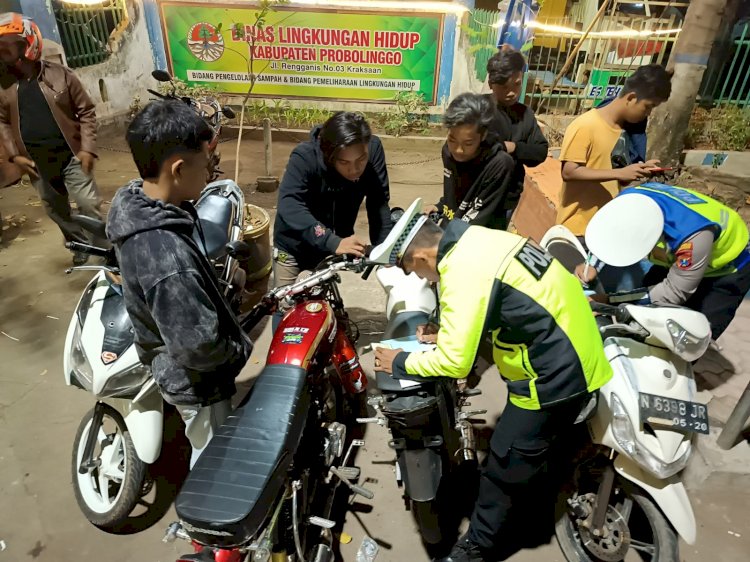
205,42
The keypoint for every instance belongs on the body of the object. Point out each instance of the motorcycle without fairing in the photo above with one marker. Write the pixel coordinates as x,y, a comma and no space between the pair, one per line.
626,492
266,486
122,435
431,432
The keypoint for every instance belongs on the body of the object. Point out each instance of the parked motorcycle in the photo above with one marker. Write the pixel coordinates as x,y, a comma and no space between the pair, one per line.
266,485
208,107
122,435
432,435
626,492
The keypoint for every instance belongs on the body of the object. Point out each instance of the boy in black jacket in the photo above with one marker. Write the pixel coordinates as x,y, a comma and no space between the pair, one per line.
525,143
325,182
184,329
477,171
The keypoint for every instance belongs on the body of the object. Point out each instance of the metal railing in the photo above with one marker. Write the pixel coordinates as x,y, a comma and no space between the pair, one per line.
86,29
617,46
730,82
482,33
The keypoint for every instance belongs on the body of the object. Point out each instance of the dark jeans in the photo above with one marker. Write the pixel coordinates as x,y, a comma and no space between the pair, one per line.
718,298
516,478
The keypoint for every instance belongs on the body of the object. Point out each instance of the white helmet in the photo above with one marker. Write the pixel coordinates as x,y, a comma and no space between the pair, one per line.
392,249
625,230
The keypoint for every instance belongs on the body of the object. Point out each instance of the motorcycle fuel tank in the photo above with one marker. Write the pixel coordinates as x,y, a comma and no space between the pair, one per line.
301,332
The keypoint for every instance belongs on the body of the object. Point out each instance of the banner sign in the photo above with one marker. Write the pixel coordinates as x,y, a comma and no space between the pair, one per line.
319,53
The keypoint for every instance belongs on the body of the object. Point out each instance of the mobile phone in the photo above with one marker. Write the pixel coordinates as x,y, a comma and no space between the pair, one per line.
659,170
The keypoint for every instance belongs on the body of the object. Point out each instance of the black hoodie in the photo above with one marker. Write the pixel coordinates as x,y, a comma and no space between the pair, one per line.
476,191
184,329
318,207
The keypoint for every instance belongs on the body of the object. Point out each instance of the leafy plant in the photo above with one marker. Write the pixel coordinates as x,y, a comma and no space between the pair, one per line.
409,115
726,127
134,108
182,88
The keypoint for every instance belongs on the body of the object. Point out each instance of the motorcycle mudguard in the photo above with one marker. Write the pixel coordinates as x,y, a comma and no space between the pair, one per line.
145,422
420,470
404,324
669,495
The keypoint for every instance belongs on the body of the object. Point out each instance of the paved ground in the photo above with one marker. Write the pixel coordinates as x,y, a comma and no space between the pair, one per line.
39,519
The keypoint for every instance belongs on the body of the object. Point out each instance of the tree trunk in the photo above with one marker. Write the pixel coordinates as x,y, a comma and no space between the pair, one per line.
669,123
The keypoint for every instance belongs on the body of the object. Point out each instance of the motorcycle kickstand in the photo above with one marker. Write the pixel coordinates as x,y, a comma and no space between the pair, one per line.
87,462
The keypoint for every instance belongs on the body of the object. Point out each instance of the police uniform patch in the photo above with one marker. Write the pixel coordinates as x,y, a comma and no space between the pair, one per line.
319,230
534,259
684,256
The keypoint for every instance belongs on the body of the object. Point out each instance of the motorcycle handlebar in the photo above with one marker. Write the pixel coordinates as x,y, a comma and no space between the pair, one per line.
88,249
619,312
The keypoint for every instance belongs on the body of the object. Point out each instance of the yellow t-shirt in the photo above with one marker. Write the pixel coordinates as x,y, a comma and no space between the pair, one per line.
589,141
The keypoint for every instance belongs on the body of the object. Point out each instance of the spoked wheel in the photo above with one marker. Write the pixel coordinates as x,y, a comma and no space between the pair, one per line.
634,529
109,492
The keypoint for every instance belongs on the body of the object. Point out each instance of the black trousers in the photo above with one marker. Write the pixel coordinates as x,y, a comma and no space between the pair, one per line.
718,298
515,482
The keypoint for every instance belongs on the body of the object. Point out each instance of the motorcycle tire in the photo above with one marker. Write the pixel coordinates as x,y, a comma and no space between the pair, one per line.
665,543
106,515
428,521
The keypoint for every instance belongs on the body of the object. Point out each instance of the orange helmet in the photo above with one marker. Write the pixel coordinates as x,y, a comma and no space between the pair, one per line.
24,28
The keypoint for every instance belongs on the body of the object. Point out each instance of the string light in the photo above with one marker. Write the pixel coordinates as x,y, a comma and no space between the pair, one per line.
440,7
613,34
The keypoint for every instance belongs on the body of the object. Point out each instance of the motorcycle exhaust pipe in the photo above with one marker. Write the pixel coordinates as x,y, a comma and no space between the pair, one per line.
467,440
322,553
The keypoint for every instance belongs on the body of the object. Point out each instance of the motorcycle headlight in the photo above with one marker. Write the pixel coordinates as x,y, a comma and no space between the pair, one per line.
82,371
624,433
126,382
686,345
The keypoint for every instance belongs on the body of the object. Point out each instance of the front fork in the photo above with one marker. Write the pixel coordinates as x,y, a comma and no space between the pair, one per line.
87,461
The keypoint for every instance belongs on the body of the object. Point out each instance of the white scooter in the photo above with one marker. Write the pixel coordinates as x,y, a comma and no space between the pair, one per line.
110,461
626,493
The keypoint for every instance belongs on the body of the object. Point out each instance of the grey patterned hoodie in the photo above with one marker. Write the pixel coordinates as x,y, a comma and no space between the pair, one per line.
184,328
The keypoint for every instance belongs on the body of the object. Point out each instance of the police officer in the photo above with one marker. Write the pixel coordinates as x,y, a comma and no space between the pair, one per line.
545,343
698,245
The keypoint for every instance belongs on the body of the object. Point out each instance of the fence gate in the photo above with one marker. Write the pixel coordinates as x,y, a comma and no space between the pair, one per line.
730,82
86,29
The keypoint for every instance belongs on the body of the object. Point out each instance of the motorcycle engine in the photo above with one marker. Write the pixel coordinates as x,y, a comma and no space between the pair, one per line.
333,445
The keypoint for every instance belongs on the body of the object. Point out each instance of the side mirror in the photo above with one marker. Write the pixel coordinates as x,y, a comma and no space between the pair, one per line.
228,112
239,250
396,213
161,76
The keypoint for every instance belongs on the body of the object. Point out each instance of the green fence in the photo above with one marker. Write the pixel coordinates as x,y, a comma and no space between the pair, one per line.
730,82
86,29
482,32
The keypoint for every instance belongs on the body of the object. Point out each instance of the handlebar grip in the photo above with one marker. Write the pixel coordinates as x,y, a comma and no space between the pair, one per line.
368,271
88,249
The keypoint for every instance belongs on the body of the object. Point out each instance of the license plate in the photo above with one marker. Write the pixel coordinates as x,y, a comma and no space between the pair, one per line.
680,414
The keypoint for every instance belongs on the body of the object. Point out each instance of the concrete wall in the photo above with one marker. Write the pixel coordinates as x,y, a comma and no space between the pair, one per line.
127,73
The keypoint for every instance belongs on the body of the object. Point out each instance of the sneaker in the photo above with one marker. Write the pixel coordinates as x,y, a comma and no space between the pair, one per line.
465,551
79,258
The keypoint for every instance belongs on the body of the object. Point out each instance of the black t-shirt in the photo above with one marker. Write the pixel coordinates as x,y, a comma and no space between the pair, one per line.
39,130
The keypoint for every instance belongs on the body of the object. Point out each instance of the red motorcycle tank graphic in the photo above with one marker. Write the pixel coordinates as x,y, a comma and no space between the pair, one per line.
308,328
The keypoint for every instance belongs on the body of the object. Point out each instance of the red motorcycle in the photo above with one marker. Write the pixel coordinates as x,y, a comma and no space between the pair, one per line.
268,482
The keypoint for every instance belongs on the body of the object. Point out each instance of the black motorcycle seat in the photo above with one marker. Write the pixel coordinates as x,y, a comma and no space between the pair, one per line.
231,489
215,213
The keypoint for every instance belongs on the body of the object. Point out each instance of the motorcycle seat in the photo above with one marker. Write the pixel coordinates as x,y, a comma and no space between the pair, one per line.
233,486
215,213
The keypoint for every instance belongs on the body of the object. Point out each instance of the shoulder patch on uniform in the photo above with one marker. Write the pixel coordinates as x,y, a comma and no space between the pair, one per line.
319,230
534,259
684,255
